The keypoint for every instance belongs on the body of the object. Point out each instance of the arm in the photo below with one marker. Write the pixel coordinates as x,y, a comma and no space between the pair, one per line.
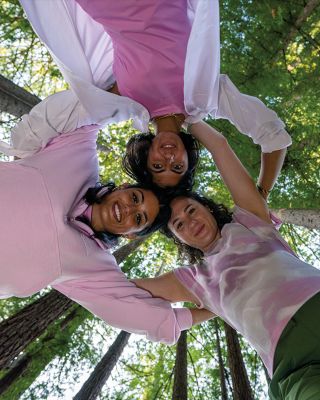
271,164
168,287
58,113
235,176
254,119
110,296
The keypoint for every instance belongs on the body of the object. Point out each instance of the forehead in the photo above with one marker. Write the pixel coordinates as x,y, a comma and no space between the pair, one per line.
180,203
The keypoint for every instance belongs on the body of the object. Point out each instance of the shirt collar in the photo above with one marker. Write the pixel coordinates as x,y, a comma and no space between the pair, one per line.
77,210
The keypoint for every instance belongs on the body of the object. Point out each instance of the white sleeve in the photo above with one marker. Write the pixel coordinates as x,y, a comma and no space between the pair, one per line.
58,113
251,117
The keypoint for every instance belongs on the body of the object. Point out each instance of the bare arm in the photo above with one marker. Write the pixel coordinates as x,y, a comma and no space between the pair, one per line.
168,287
271,164
241,186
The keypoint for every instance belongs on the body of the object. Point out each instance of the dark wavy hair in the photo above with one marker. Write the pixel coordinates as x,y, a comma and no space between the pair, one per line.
134,161
93,195
220,213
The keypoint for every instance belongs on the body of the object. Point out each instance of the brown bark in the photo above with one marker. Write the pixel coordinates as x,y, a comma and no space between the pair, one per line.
92,387
29,323
308,9
223,386
239,376
302,217
180,383
14,99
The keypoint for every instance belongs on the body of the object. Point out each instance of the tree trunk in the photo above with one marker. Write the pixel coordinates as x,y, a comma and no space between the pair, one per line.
240,380
26,368
180,383
307,218
29,323
308,9
223,386
32,321
124,251
15,100
92,387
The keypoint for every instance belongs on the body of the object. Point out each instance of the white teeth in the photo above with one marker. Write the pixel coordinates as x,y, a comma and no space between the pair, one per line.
117,211
168,146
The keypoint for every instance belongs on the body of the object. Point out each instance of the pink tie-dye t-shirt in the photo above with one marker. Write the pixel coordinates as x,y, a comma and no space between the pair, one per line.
253,280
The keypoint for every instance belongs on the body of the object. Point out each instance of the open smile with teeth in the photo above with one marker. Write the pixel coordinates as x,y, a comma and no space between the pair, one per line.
168,146
117,212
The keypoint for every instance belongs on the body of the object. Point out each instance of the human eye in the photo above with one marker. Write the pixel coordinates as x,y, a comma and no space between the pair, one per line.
179,225
192,210
177,167
135,198
138,219
157,166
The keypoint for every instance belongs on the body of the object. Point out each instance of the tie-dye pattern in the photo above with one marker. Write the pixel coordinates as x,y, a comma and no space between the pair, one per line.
253,280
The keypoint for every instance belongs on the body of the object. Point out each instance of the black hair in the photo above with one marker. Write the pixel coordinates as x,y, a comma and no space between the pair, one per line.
97,193
134,161
220,213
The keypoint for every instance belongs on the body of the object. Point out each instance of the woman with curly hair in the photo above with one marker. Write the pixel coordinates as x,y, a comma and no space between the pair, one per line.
155,60
248,275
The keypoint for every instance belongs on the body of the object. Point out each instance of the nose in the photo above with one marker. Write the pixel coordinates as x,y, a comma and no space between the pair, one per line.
168,156
130,208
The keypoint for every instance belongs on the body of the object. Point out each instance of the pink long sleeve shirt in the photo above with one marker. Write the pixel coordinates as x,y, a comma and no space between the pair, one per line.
40,195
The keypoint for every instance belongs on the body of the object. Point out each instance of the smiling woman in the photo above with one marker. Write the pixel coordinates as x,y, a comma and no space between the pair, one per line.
127,211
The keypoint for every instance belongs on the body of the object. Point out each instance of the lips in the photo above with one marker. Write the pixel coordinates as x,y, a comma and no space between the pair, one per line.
199,230
116,212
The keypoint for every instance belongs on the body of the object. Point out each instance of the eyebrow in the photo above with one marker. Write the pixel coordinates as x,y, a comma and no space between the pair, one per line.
185,210
142,201
163,170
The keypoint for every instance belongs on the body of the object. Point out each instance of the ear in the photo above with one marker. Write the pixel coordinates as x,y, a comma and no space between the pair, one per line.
130,236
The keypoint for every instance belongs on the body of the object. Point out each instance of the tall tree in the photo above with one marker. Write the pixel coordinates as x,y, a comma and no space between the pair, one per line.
302,217
223,386
14,99
27,367
29,323
240,381
93,385
180,382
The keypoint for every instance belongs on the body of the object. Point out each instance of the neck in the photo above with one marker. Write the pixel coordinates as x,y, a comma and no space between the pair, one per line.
169,123
211,244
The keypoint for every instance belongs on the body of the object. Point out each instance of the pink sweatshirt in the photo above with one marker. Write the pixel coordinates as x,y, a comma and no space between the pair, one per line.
40,247
150,43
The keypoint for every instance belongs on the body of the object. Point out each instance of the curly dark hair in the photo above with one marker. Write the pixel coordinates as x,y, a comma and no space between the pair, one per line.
220,213
94,195
134,161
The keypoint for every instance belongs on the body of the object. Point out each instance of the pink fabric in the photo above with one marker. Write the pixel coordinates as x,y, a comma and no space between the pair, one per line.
150,42
253,280
39,246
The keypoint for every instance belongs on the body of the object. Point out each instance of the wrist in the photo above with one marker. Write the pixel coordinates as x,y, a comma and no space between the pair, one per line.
263,191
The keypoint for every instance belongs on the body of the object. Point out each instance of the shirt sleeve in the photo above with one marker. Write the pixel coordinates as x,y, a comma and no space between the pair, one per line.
122,305
58,113
252,221
251,117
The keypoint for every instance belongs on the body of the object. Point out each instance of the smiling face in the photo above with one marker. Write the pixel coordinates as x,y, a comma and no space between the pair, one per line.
192,223
125,211
167,159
